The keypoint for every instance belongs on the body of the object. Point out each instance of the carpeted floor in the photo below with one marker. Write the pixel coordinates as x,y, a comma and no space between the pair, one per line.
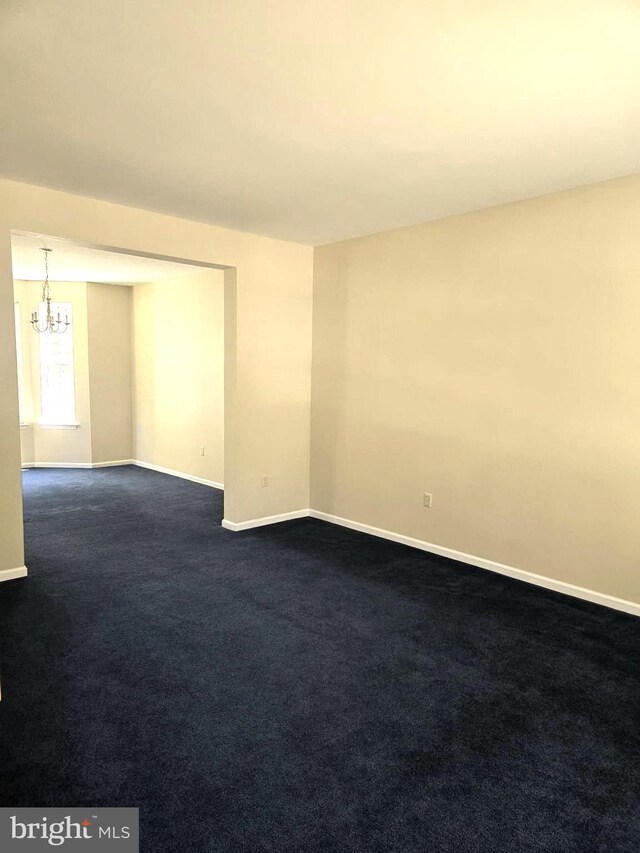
303,687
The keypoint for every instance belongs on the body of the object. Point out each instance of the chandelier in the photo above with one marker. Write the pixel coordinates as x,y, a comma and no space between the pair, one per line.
51,324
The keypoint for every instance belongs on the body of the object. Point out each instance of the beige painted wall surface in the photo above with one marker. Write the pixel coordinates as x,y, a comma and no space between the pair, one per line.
267,344
26,333
493,360
109,340
11,531
27,454
56,445
178,345
26,296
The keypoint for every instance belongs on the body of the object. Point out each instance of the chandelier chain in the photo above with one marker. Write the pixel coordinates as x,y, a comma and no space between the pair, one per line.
51,324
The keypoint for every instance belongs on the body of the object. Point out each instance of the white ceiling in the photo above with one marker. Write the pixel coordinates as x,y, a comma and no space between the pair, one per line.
316,120
78,263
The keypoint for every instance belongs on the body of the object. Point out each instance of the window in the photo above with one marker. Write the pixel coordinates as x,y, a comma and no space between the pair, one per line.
57,389
20,359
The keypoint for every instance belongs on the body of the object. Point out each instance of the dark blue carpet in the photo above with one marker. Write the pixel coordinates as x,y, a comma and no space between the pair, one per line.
303,687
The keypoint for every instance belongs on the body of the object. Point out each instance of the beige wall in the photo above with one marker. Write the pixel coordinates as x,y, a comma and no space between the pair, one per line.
179,387
11,531
39,444
178,347
268,303
27,450
22,297
109,343
492,359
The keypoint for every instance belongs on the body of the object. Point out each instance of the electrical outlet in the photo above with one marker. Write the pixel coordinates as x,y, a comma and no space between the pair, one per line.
202,451
426,499
264,481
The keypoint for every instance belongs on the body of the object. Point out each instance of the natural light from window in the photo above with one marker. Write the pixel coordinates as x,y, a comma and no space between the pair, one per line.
57,387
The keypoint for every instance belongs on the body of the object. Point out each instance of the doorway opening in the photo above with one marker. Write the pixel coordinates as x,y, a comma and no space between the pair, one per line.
135,376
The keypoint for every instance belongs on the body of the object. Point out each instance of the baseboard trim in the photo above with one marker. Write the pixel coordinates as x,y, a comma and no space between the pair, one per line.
482,563
180,474
11,574
261,522
77,464
138,462
58,465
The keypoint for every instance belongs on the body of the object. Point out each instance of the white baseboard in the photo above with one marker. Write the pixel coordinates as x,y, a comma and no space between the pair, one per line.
10,574
267,519
58,465
115,462
173,473
510,571
77,464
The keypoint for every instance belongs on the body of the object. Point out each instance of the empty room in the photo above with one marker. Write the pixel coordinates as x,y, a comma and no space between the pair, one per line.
320,426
